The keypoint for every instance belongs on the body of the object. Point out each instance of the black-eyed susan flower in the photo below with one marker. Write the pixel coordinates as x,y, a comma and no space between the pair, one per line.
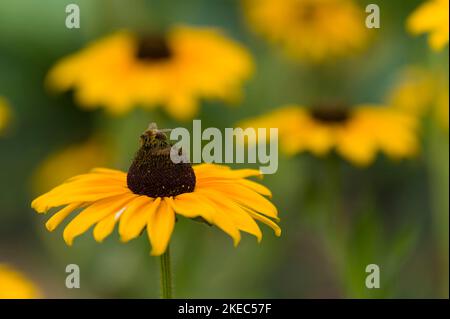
310,29
15,285
174,70
421,92
5,115
153,192
431,17
69,161
357,133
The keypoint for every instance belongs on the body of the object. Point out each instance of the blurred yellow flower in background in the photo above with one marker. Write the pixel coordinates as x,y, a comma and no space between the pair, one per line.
421,92
432,17
5,115
310,29
151,194
14,285
70,161
175,70
357,134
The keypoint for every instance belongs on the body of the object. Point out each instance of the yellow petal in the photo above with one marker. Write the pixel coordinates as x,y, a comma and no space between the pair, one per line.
136,217
266,221
245,197
57,218
105,227
190,205
160,227
219,218
93,180
47,201
81,188
223,221
261,189
212,172
93,214
100,175
237,215
182,107
438,40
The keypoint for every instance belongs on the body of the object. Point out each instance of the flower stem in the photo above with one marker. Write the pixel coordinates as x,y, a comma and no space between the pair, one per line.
166,275
437,162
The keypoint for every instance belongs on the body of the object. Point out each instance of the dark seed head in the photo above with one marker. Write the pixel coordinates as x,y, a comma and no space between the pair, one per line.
307,12
153,173
153,48
329,113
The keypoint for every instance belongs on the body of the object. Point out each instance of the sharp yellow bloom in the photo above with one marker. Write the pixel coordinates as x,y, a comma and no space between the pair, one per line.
357,134
125,70
431,17
14,285
310,29
70,161
421,92
154,192
5,114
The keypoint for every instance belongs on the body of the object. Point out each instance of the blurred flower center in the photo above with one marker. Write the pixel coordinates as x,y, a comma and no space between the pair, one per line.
330,114
307,12
153,48
154,174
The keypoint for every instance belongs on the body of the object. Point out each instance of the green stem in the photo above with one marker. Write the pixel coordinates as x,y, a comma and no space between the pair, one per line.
166,275
437,162
336,219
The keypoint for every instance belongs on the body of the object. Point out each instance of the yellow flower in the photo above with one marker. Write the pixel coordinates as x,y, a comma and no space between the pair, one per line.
357,134
14,285
5,115
420,92
124,70
153,192
310,29
70,161
431,17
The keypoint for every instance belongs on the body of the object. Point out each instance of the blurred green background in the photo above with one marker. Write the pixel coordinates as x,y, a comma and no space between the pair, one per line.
392,214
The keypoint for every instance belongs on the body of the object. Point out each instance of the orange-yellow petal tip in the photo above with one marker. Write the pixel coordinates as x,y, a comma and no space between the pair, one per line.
278,232
50,226
124,239
236,240
155,252
68,239
40,209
